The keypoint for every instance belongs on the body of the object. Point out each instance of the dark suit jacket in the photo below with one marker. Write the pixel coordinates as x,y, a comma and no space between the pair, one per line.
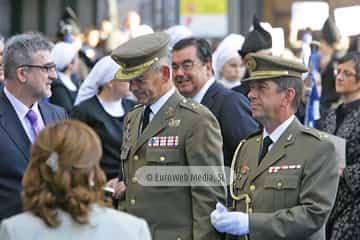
15,151
232,111
243,89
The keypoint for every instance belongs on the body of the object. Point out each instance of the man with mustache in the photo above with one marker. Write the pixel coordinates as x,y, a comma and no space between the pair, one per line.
166,131
285,177
193,77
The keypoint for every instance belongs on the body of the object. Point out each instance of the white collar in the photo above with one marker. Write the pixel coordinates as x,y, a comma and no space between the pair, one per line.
276,134
200,95
156,106
66,80
114,108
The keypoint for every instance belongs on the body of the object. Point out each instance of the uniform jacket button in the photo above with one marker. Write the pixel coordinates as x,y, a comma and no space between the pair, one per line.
136,157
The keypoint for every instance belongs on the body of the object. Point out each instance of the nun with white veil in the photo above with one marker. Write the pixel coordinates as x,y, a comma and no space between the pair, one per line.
65,88
103,103
227,63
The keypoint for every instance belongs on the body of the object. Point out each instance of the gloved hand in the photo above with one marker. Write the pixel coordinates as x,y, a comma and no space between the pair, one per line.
235,223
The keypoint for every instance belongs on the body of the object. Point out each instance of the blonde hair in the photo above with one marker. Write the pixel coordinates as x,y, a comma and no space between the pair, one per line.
77,180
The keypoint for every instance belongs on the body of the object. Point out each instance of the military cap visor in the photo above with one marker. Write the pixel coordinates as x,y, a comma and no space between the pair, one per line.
270,67
137,55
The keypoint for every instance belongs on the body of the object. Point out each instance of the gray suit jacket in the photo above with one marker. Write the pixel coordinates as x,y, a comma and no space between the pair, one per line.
104,224
293,189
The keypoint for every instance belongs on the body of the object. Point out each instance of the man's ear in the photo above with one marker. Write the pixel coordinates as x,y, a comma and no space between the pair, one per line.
21,74
209,68
165,71
289,96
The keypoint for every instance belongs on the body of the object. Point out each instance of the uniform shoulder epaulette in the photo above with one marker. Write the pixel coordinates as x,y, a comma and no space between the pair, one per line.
315,133
191,105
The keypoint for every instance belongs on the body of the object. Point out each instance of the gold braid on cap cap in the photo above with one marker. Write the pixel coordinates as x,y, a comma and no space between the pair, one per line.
274,73
140,67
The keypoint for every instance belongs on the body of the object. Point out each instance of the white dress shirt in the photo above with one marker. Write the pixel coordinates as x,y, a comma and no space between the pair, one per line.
156,106
200,95
276,134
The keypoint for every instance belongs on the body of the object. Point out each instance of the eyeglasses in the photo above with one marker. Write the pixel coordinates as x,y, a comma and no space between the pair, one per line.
48,68
186,65
345,73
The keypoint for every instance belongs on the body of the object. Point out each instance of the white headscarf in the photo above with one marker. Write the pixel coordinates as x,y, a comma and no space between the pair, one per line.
227,49
103,72
62,54
177,33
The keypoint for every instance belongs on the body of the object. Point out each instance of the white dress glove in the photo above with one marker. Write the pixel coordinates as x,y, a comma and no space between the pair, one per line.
235,223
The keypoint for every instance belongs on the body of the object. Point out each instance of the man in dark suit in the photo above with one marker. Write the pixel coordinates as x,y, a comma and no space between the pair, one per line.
193,77
29,72
285,177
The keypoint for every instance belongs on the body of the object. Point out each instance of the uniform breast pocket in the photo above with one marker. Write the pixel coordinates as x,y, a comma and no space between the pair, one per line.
284,190
166,156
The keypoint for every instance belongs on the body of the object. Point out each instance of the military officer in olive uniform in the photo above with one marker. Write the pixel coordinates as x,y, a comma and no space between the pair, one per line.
166,130
284,178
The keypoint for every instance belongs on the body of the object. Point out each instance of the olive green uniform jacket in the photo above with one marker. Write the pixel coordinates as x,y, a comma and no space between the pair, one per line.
173,212
293,190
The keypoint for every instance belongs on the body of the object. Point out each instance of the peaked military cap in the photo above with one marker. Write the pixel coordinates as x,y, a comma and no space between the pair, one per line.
269,67
256,40
138,54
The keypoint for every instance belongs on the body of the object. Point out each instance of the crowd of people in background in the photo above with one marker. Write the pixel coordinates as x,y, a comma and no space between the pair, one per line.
61,181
